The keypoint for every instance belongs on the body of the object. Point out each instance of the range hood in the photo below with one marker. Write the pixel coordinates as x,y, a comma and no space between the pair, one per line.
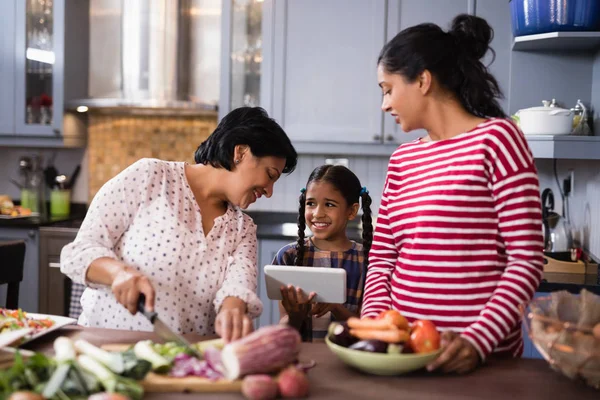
153,56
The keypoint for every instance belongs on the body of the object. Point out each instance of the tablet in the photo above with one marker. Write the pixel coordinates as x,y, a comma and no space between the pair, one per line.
328,283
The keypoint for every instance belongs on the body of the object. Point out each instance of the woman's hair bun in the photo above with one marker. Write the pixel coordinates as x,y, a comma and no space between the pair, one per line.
472,34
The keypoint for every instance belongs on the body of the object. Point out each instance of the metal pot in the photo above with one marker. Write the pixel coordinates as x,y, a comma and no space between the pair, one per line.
545,120
530,17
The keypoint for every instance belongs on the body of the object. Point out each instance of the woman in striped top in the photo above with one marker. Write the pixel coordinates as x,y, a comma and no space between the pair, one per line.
458,239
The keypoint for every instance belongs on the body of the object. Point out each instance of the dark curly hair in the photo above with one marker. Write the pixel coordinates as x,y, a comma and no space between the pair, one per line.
348,184
453,57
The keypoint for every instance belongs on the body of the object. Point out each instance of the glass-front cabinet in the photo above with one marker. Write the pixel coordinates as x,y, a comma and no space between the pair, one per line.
242,54
39,54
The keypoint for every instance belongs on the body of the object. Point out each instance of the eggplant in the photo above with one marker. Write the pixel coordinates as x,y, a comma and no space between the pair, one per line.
372,346
339,333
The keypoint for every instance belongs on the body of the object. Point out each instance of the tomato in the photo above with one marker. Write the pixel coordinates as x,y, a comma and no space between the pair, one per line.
424,337
394,317
47,322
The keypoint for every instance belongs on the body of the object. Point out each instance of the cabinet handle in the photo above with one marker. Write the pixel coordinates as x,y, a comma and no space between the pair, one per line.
31,234
389,138
377,138
54,265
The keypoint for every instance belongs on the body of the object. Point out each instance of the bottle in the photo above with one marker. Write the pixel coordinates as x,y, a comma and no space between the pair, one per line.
37,187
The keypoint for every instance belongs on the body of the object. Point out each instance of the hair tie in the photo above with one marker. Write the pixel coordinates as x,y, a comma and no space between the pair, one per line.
364,190
303,190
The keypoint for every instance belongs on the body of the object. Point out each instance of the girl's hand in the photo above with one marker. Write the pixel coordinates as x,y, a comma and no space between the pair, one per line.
320,309
127,285
295,302
232,322
458,355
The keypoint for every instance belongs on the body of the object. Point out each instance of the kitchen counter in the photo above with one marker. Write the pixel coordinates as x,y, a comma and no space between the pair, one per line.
572,283
73,220
331,379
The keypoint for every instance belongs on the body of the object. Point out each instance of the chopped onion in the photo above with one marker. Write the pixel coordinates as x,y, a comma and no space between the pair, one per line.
186,365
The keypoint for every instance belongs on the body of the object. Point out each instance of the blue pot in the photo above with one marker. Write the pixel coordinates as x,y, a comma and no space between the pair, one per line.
530,17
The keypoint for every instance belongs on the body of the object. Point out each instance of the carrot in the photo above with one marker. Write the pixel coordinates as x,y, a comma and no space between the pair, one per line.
389,336
370,324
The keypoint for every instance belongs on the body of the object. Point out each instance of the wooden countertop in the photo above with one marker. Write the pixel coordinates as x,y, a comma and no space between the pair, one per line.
331,379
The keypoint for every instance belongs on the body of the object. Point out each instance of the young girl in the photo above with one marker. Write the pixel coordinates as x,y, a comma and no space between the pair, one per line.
329,201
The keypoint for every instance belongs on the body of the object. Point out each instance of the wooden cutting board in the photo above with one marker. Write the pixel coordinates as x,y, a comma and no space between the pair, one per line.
163,383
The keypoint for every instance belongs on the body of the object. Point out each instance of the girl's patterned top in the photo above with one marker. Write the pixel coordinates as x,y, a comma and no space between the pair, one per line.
352,260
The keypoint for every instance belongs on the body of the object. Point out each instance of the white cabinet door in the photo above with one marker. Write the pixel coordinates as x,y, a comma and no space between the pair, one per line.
403,14
7,67
267,251
324,69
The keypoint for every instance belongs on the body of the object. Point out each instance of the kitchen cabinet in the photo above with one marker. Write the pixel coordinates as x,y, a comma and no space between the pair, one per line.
403,14
44,63
7,67
28,289
324,69
54,287
267,250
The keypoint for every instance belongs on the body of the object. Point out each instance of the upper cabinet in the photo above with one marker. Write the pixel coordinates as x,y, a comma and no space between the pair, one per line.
241,48
324,57
7,67
44,48
39,67
403,14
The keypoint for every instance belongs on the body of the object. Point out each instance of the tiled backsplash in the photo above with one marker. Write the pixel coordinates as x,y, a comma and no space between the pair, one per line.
116,142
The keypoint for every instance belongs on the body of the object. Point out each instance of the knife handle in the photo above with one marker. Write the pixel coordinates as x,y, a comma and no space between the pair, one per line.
141,308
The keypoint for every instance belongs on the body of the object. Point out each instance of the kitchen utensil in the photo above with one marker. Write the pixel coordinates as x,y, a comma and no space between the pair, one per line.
546,120
162,330
61,181
557,231
541,16
50,172
74,176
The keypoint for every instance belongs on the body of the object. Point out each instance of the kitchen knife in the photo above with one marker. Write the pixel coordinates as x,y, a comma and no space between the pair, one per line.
162,330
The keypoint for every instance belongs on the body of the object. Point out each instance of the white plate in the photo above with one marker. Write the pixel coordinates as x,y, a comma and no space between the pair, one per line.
59,322
9,337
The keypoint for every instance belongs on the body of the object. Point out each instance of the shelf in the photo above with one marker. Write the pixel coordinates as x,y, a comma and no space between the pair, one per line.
558,41
565,147
542,146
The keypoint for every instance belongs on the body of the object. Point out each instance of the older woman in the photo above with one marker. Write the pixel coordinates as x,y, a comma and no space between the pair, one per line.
175,233
458,238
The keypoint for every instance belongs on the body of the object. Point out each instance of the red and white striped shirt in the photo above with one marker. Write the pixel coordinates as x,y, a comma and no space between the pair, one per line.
459,236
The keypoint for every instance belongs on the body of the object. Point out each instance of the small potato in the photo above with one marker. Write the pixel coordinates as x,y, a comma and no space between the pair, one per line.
25,396
596,331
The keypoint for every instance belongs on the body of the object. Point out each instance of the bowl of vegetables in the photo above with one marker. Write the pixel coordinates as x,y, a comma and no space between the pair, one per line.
386,345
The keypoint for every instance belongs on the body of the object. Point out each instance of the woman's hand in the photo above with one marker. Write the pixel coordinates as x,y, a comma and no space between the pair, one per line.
296,302
127,285
458,355
232,322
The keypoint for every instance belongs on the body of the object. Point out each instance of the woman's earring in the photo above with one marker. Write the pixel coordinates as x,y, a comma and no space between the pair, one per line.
237,161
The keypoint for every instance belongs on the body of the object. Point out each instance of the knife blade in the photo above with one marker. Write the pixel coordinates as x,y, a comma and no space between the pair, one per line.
163,331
